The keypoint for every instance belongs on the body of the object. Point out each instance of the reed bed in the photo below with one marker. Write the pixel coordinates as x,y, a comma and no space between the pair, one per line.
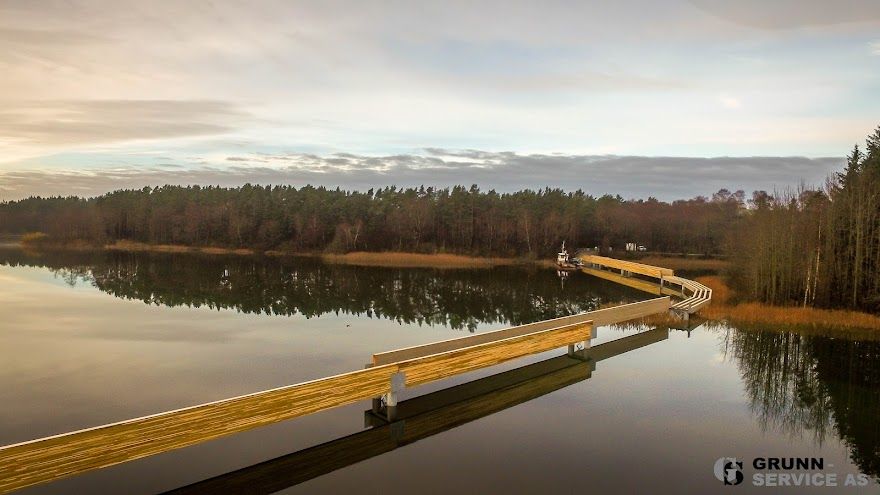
416,260
696,264
723,307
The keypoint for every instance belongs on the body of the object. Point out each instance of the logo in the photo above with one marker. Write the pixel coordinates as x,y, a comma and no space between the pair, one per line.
728,470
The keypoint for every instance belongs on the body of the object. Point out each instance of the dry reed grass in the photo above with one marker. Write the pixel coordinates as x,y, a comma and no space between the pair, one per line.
361,258
417,260
132,246
675,263
33,238
722,308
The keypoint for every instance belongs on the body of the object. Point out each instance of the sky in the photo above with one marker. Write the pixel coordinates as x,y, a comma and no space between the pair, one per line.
670,99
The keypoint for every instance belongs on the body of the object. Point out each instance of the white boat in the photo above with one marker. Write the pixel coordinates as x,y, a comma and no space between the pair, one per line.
563,262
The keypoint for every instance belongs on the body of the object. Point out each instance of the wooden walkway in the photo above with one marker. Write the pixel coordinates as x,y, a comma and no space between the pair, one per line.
47,459
694,295
700,295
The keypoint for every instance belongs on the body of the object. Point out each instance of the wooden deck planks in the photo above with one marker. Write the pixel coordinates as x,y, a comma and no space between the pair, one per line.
630,266
438,366
600,317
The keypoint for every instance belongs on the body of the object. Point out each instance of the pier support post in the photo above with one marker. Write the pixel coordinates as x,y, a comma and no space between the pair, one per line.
398,383
578,349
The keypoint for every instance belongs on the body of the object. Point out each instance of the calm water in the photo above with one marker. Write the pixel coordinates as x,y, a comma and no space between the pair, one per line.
88,339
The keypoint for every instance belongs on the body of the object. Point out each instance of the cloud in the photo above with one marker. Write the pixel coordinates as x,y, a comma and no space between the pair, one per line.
874,46
631,176
636,77
41,126
791,14
730,102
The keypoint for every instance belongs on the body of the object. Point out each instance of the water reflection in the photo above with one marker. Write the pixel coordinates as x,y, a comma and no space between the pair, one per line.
459,299
803,390
813,385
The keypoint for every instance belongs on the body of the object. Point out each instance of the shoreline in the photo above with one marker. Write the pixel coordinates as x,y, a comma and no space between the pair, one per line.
392,259
720,309
755,313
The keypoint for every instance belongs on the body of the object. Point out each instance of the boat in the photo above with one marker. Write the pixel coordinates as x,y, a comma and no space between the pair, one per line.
563,261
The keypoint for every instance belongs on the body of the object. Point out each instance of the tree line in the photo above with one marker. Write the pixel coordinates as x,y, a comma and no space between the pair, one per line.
815,246
528,223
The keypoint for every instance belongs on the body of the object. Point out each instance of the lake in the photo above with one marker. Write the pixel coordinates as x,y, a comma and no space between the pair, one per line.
93,338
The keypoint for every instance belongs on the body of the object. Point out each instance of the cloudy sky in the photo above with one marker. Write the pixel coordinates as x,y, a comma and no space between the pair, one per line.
663,98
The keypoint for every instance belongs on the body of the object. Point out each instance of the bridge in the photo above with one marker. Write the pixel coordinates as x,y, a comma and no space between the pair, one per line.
382,380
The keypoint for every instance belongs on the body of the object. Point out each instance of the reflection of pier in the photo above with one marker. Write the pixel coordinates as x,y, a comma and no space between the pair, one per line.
422,417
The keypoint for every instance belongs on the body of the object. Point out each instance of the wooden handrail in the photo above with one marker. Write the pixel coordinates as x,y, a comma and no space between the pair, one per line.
600,317
629,266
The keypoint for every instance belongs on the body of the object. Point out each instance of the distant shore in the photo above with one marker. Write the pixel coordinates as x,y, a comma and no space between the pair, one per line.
361,258
401,259
723,306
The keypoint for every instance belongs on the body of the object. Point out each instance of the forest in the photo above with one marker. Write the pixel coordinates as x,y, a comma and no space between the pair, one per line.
456,220
815,246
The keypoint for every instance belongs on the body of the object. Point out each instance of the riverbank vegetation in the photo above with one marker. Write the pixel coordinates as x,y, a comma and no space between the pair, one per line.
419,260
687,263
360,258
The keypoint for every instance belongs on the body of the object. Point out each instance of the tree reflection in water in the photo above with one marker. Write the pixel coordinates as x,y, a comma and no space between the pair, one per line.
807,384
459,299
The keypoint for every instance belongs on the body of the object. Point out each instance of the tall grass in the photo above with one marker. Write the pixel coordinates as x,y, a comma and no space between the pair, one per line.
412,260
724,307
34,238
678,263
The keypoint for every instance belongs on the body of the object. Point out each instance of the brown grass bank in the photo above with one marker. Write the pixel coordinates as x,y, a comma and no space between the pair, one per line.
723,307
417,260
131,246
681,263
362,258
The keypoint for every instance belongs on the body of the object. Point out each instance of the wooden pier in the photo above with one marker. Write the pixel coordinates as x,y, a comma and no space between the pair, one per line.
694,295
52,458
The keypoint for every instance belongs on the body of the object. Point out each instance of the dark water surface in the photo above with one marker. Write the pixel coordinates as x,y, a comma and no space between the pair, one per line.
87,339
